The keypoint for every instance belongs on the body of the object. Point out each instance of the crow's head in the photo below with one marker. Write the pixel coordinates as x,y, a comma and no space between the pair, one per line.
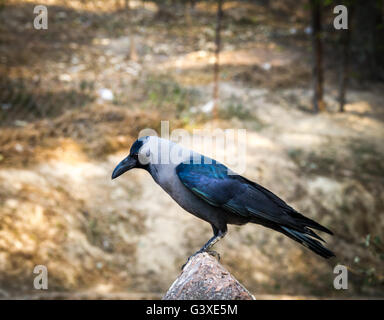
139,157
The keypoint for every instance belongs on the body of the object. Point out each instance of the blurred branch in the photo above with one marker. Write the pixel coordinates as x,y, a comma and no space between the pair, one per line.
318,77
216,69
344,66
132,31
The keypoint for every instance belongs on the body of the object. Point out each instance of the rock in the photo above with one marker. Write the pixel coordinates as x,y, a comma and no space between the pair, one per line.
106,94
266,66
204,278
65,77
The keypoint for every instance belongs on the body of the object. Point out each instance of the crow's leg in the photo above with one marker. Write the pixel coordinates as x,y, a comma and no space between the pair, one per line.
217,235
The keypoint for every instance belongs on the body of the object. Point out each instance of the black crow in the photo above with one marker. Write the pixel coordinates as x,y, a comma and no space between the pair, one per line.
214,193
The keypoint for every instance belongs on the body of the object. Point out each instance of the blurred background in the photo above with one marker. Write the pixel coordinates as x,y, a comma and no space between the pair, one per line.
74,97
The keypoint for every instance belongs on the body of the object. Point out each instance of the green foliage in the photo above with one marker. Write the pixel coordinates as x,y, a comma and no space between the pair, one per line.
364,158
169,96
234,109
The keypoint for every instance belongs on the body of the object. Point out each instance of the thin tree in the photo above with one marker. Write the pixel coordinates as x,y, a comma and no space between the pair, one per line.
187,11
131,29
367,39
344,63
216,68
317,47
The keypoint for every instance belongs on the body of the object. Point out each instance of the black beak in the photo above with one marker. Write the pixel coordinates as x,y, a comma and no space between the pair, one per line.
125,165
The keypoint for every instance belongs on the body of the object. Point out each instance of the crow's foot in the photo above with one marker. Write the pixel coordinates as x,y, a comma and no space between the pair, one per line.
210,252
190,257
214,254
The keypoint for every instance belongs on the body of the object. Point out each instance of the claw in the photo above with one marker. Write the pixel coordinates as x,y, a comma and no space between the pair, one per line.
190,257
214,254
210,252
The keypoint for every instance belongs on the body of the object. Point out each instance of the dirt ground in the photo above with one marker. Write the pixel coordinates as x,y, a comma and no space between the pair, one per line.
126,238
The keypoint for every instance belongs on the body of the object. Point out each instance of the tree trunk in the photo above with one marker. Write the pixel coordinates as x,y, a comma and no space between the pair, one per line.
367,39
344,63
318,77
132,47
187,12
216,68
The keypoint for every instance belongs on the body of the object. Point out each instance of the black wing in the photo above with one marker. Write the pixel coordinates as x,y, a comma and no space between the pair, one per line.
214,183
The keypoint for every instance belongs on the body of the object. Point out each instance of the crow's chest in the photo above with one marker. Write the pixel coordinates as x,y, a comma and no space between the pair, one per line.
169,181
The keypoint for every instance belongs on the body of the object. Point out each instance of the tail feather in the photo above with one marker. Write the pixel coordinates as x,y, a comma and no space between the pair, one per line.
313,234
308,242
300,219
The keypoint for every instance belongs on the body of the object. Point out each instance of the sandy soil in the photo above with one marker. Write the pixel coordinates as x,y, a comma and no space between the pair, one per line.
126,238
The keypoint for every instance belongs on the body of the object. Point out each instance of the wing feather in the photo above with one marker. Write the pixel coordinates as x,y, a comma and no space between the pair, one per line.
211,181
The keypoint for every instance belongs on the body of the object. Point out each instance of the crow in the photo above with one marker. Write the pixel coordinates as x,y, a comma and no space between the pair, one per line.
212,192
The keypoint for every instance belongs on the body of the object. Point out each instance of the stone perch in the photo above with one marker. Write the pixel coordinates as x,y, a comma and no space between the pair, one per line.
204,278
